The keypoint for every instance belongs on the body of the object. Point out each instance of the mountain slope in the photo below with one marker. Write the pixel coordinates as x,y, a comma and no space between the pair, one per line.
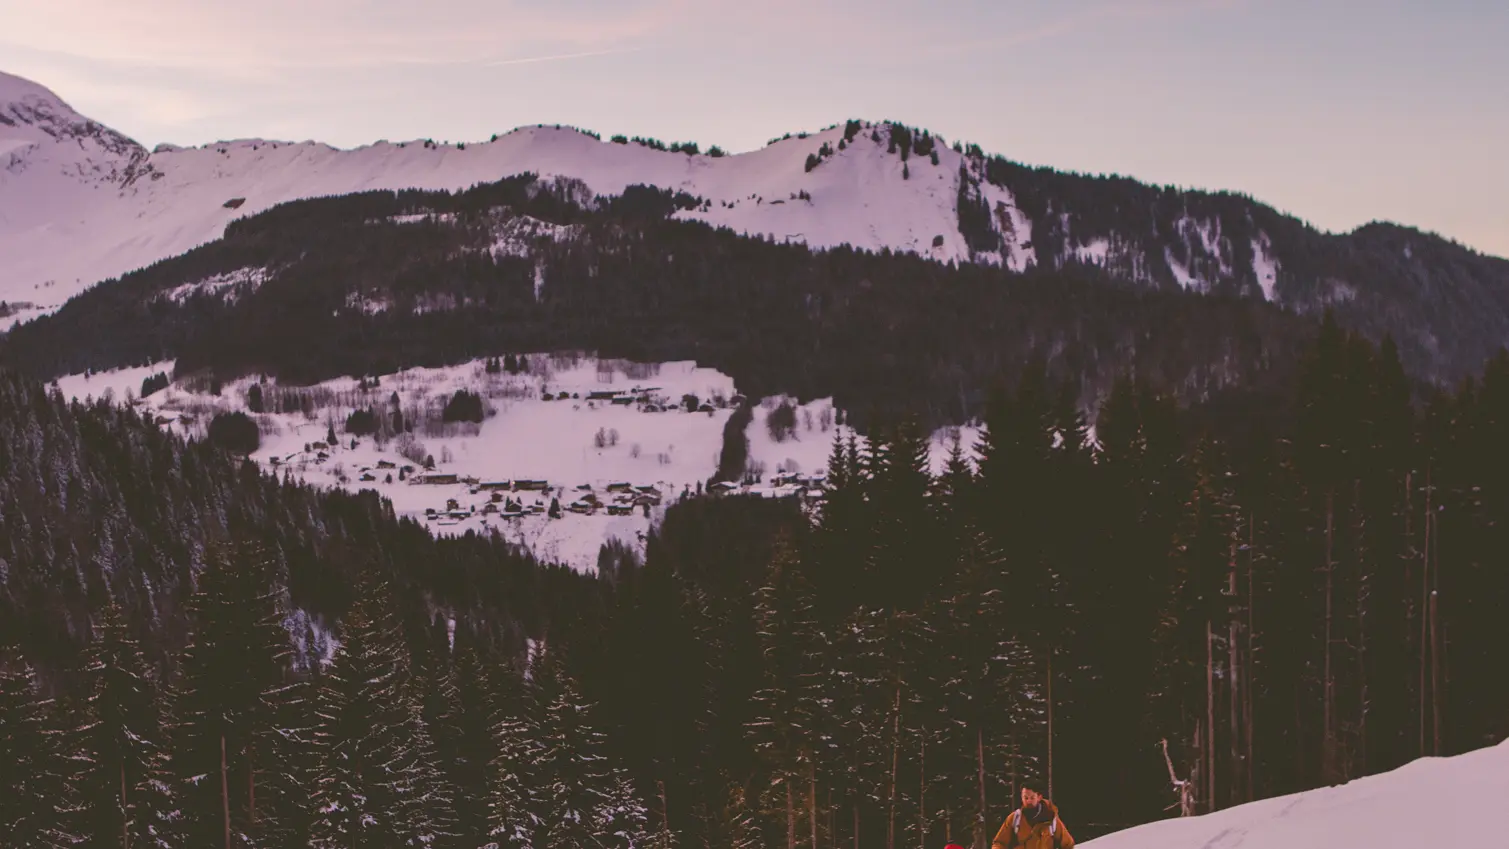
1453,801
80,203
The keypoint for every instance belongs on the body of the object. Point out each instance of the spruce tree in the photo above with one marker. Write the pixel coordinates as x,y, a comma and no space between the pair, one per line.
233,697
36,766
376,784
123,797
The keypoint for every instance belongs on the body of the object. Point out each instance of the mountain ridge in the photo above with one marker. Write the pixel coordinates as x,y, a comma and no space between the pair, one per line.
80,203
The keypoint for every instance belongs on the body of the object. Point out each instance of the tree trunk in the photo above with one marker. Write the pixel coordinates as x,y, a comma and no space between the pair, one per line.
1210,720
811,799
1328,683
1050,721
665,809
251,791
922,791
1233,684
790,816
125,817
1425,610
225,793
980,835
890,832
1247,701
1435,670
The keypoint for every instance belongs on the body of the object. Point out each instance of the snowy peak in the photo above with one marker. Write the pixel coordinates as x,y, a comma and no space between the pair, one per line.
31,114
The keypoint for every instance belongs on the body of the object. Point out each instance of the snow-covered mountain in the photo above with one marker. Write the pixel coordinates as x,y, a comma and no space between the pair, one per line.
1432,802
80,203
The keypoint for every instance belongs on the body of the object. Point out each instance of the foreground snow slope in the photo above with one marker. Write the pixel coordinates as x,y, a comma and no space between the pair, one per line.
1447,802
80,202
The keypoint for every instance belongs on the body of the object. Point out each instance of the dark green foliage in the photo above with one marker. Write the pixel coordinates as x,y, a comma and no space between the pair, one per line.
235,701
735,454
35,768
235,432
778,317
154,383
975,218
254,398
361,423
121,782
716,152
377,782
464,406
781,421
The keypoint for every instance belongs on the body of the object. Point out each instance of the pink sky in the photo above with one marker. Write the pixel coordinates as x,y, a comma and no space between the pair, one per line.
1339,111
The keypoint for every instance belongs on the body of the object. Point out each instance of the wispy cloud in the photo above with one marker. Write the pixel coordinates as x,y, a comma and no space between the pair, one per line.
530,60
1093,16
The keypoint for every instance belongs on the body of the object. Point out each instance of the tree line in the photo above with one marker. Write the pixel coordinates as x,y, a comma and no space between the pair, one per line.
1272,601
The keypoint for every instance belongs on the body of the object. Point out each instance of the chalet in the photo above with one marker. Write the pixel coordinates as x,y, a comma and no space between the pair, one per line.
489,507
623,400
458,514
723,487
496,497
581,507
386,464
620,509
321,456
319,446
602,395
620,487
368,477
511,514
591,498
651,500
529,485
407,469
652,408
586,487
647,490
705,408
435,478
452,504
429,512
495,486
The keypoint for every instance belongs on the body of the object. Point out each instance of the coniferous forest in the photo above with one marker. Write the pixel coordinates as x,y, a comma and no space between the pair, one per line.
1248,598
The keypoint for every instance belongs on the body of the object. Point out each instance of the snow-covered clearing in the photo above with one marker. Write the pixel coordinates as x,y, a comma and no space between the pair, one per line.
636,432
1455,802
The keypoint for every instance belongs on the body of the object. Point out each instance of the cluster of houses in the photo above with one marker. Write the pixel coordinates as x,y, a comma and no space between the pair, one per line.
649,398
510,499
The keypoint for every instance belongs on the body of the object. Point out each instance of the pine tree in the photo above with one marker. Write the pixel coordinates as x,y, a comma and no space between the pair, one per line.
376,784
36,766
122,794
229,757
792,704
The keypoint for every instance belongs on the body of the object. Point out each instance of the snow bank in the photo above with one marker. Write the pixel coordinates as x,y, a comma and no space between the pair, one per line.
1456,802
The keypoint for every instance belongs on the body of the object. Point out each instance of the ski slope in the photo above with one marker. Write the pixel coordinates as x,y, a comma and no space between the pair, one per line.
1455,802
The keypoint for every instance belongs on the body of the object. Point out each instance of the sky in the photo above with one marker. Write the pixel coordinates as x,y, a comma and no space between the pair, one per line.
1338,111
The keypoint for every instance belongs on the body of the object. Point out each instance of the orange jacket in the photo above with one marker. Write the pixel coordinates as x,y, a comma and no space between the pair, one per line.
1017,833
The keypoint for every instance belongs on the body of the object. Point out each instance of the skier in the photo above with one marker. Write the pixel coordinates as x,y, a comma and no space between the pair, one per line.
1035,825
